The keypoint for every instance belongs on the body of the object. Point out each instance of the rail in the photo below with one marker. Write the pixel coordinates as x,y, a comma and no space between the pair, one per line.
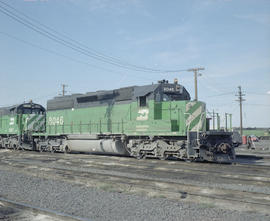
44,210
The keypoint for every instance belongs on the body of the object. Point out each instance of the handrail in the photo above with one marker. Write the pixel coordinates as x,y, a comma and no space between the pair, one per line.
198,129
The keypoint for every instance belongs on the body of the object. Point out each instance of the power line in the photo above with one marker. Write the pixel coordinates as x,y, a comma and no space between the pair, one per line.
72,44
218,95
264,94
32,98
65,35
62,55
53,37
27,23
266,105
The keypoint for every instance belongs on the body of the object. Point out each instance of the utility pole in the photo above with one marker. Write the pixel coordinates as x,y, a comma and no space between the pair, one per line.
230,115
218,121
226,125
195,70
213,119
240,100
226,122
63,89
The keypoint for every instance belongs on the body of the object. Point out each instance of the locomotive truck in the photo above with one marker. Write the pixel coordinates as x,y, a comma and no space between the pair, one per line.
151,121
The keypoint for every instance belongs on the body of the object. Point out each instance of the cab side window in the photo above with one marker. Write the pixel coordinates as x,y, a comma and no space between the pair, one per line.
142,101
158,97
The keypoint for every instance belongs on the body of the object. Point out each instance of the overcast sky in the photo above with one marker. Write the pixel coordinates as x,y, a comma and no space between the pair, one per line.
231,39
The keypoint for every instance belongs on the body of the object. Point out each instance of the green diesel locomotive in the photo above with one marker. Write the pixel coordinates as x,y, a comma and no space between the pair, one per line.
157,120
19,122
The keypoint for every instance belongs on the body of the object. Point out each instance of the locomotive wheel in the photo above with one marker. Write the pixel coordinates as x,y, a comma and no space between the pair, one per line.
67,149
10,145
37,147
15,147
51,149
164,157
140,156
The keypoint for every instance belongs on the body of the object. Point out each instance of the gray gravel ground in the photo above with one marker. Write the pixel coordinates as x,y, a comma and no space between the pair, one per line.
96,204
204,181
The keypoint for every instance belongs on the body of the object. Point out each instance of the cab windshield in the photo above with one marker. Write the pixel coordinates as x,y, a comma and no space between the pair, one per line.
172,97
30,111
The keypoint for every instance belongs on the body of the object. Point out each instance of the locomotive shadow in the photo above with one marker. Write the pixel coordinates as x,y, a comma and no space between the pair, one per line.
249,159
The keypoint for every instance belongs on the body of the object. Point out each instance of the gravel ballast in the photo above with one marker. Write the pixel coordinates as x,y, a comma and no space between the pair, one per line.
95,204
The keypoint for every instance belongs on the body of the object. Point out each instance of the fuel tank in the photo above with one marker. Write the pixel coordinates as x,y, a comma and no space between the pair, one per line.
108,146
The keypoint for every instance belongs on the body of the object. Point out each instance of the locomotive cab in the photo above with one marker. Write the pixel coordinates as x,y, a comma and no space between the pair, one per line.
31,117
29,108
19,122
171,92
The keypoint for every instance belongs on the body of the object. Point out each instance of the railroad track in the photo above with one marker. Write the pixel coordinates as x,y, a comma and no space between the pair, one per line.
126,175
257,176
47,214
132,161
250,171
178,173
155,187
